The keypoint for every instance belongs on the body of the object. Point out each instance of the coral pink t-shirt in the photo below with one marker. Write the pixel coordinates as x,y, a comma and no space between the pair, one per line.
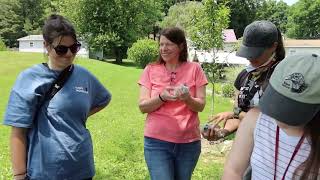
173,121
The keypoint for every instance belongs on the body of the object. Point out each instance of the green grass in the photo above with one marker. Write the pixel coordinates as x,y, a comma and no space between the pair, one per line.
117,131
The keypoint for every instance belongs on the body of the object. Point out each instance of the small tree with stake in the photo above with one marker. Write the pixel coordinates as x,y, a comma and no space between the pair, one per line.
209,22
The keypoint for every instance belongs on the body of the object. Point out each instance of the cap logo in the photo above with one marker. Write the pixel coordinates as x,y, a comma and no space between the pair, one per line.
295,82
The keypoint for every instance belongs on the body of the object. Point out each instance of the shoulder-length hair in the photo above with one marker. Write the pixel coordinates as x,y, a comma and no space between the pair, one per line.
177,36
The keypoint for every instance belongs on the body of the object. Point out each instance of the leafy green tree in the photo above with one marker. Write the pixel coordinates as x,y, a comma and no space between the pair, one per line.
168,3
70,9
182,15
116,24
304,21
242,13
32,12
207,35
274,11
11,23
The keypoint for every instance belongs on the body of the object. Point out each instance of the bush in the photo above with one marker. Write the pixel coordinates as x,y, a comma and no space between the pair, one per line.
228,90
143,52
2,45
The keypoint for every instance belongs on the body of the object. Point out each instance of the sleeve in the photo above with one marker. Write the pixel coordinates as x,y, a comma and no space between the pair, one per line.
101,96
145,78
240,78
22,104
201,78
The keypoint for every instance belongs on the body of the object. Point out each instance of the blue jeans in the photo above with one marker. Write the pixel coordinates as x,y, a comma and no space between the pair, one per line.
171,161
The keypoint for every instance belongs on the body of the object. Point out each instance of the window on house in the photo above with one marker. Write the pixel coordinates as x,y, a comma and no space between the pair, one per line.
31,44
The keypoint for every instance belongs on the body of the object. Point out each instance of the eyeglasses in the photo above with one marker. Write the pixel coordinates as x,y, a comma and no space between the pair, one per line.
62,50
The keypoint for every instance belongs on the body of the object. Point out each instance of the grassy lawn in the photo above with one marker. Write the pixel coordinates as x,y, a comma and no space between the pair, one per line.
117,131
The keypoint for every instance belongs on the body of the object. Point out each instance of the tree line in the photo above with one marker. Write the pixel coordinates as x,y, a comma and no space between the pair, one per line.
114,25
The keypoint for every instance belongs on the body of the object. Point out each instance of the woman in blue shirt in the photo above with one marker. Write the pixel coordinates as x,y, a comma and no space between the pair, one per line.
51,141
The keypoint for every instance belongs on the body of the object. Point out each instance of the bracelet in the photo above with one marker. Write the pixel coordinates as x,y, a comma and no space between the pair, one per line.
24,173
21,176
161,98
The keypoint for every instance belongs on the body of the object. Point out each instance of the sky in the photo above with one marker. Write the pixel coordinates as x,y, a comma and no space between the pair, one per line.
290,2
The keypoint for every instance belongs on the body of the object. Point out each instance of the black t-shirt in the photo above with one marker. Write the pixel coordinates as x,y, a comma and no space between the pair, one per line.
240,79
249,83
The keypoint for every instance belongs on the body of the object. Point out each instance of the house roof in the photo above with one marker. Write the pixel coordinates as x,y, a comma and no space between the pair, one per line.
302,43
31,38
229,36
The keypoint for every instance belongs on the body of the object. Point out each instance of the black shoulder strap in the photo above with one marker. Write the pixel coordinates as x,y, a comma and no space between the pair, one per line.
55,87
59,82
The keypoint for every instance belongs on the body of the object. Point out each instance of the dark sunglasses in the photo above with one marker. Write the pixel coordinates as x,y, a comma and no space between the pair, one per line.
62,50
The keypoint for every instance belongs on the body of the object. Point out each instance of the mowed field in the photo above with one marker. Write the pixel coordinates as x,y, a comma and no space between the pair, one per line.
117,131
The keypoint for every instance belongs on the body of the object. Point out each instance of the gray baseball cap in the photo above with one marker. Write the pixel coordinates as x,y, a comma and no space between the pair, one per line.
293,94
257,37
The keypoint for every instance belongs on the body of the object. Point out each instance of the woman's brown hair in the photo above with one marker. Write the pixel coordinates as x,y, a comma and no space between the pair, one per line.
177,36
310,168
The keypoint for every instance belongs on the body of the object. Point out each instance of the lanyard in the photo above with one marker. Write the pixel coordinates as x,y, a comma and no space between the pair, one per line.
296,149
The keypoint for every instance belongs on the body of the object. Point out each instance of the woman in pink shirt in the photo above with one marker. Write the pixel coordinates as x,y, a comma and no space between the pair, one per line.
172,92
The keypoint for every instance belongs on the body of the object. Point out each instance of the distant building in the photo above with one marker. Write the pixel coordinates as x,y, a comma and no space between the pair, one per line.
225,55
229,40
296,46
31,43
34,43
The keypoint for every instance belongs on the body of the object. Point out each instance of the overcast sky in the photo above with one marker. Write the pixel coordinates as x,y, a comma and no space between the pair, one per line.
290,2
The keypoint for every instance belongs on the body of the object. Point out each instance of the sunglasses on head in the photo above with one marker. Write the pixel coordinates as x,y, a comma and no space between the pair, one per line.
62,50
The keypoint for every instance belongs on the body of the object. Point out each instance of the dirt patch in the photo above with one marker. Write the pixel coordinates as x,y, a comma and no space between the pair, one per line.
215,151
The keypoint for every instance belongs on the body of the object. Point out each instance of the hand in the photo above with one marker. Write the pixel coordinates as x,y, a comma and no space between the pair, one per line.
221,118
167,94
182,92
210,132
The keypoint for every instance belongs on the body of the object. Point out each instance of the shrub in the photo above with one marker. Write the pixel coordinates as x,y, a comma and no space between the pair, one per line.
143,52
2,45
228,90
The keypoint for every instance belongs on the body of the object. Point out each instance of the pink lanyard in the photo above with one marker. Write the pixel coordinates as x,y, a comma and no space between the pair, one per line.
296,149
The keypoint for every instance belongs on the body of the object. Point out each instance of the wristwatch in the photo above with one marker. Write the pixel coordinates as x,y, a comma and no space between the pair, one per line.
236,112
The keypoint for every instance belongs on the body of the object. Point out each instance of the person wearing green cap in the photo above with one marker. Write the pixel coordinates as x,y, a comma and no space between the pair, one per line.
281,138
262,45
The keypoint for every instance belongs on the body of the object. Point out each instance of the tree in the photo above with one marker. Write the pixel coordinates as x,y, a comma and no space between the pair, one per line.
116,24
166,4
242,13
304,21
11,24
274,11
182,15
19,18
32,12
207,35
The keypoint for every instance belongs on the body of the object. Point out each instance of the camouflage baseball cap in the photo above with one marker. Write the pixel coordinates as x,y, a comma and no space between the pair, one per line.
257,37
293,94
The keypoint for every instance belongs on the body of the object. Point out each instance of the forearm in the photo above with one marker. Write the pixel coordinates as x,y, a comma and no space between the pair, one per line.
18,143
150,105
230,174
195,104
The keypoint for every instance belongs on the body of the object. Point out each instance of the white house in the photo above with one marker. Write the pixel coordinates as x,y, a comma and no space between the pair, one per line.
226,55
294,46
34,43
